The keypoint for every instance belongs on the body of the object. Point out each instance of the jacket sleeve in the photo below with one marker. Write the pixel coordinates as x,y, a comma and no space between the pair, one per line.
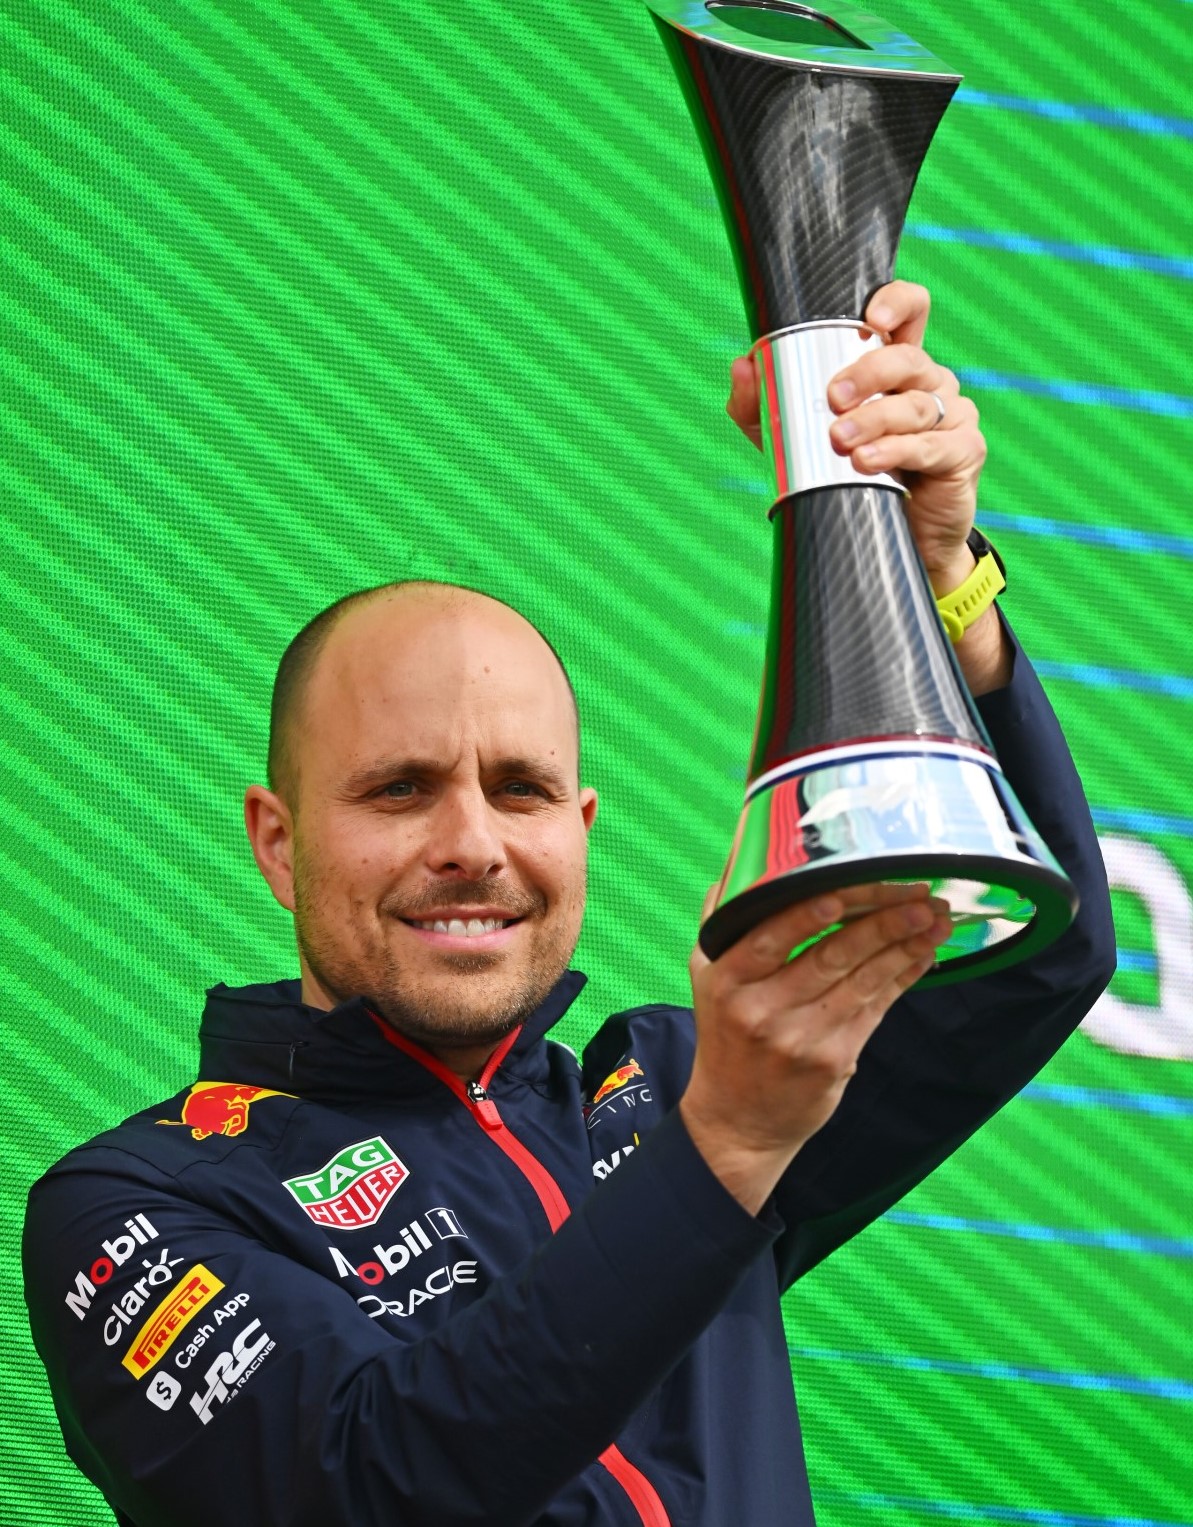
942,1061
277,1401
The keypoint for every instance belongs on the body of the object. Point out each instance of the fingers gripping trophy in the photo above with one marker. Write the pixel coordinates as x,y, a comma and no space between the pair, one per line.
870,762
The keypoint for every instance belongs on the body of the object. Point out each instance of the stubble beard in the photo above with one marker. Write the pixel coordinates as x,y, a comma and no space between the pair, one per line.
464,1010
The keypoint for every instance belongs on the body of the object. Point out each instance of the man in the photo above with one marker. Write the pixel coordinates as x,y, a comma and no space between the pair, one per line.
394,1258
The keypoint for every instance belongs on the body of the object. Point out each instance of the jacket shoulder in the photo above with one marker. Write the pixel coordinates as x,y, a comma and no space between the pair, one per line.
657,1034
205,1122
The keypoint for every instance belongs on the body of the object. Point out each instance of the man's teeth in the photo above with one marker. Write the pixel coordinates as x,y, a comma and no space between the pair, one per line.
458,928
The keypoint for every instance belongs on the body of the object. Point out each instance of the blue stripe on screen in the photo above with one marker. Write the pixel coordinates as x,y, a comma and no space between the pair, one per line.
1119,537
1131,820
1090,254
1169,404
1175,685
1067,111
1156,1103
973,1512
1107,1240
1138,960
1172,405
1172,684
1123,1383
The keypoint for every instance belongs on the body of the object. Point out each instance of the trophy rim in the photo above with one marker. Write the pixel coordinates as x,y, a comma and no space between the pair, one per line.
1050,891
841,322
909,59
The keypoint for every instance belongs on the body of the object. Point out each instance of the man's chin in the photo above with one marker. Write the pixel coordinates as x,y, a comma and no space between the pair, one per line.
436,1026
463,1009
455,997
469,961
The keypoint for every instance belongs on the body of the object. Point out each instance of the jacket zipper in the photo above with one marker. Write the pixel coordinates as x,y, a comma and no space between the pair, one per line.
484,1110
475,1095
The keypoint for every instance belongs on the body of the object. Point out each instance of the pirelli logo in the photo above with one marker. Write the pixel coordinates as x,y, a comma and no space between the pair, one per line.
159,1332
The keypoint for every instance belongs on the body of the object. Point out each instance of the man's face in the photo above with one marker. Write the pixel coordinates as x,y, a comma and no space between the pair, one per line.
439,837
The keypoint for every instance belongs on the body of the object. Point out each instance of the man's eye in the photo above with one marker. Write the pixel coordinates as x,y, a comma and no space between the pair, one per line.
522,788
399,789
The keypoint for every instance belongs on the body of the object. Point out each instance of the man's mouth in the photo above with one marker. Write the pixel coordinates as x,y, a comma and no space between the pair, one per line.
459,927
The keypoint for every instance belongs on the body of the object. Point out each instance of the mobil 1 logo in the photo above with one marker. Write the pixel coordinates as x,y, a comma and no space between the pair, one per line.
114,1253
427,1233
412,1241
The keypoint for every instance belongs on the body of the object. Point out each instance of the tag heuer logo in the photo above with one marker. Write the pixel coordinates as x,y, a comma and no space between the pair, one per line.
352,1189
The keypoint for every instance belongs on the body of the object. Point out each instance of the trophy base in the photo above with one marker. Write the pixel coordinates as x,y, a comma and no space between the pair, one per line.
898,810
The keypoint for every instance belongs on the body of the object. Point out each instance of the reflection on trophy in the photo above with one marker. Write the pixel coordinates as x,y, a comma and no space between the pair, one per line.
870,762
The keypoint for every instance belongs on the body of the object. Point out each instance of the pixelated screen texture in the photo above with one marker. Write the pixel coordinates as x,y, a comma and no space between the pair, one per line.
302,298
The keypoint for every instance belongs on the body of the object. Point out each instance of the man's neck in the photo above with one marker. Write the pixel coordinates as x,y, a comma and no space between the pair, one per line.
466,1061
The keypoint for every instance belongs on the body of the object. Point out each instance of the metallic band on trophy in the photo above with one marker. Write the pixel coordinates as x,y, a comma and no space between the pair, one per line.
870,761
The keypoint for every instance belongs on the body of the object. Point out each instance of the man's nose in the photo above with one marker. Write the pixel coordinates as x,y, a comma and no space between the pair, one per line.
465,837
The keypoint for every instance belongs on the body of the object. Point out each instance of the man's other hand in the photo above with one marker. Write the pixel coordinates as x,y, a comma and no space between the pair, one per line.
898,432
779,1038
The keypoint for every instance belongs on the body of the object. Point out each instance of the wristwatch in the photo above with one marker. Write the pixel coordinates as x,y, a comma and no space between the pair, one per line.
961,608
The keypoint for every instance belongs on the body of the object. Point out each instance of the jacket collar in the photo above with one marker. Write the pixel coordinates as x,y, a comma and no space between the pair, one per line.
267,1036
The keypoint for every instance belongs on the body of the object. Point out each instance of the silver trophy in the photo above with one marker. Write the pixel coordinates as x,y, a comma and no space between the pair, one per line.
870,762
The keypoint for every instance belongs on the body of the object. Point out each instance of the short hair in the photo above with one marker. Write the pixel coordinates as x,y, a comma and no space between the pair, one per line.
299,659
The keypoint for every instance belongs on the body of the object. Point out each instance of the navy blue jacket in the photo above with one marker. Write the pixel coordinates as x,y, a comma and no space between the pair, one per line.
327,1287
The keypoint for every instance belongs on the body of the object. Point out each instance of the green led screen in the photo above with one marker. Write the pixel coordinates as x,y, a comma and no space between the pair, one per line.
300,297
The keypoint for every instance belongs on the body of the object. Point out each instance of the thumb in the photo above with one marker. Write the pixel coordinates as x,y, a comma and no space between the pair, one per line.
744,402
699,959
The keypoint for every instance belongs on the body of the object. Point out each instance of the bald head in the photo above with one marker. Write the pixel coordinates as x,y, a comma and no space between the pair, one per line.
426,824
369,629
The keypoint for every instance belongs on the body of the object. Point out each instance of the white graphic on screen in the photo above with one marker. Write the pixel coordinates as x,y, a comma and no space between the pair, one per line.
1165,1031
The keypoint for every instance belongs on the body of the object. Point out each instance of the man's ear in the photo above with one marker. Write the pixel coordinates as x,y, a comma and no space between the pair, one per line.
270,828
588,807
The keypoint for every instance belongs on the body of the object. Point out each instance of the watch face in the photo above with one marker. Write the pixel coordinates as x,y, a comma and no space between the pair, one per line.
981,547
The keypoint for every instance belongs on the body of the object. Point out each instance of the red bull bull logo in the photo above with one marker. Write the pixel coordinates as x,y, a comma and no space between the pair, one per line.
616,1080
221,1108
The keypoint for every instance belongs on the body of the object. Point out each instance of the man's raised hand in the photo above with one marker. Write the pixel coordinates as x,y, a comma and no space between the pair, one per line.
778,1039
886,419
901,431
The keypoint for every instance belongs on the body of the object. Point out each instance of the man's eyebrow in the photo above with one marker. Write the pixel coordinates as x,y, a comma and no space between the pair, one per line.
383,769
373,775
535,769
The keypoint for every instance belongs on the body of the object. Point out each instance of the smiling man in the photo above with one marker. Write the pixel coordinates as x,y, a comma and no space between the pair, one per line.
433,855
396,1259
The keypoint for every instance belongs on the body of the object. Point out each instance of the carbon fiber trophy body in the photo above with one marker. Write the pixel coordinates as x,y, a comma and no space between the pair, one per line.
870,761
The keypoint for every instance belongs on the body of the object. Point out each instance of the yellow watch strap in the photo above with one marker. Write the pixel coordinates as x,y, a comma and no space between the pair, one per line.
961,608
